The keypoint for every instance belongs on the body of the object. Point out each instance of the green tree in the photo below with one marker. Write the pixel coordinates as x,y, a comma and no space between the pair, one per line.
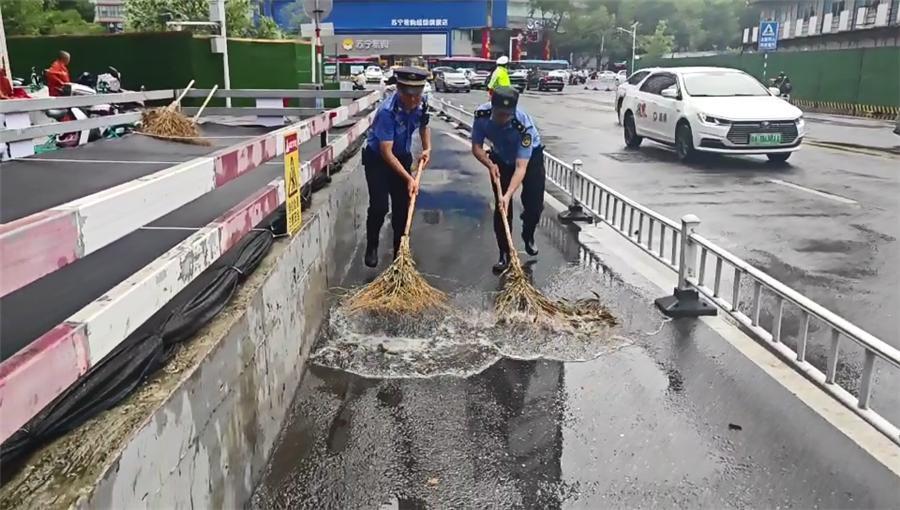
266,28
22,17
84,8
37,17
152,15
659,42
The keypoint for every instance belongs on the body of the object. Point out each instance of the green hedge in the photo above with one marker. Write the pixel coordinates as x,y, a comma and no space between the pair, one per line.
867,76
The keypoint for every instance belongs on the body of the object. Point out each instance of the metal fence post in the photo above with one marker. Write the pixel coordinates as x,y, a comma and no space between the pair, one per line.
574,212
685,300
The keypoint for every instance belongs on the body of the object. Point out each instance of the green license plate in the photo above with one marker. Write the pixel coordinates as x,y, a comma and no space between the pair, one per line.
765,138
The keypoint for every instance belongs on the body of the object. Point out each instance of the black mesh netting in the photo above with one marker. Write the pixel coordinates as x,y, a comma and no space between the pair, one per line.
148,349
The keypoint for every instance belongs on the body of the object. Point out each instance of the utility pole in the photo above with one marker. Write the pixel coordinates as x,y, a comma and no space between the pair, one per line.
633,33
220,42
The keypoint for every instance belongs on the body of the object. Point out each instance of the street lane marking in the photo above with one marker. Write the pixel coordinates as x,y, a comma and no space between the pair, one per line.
823,194
458,138
192,229
102,161
606,243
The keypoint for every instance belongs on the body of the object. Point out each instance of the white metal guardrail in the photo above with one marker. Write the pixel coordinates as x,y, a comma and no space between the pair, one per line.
720,276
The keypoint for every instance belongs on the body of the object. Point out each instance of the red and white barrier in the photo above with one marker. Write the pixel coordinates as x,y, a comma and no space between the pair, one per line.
39,244
36,375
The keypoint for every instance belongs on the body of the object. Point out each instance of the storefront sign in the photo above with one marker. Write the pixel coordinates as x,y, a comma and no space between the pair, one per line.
419,22
364,45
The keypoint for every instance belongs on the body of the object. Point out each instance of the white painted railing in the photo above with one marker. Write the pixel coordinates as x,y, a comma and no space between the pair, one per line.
720,276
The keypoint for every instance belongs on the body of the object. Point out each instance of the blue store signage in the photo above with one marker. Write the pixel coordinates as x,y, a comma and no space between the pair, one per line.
413,15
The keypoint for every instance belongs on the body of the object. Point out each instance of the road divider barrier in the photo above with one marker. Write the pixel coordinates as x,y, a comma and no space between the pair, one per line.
42,243
706,270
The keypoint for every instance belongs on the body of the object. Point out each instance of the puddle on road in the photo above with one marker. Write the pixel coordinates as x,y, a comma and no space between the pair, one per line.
467,339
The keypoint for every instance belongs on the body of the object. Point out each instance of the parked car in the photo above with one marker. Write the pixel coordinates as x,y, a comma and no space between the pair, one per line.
518,79
477,79
448,79
630,84
561,73
621,76
712,109
374,74
543,80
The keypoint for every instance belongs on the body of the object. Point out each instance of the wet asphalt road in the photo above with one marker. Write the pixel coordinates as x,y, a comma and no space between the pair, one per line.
839,250
827,224
452,413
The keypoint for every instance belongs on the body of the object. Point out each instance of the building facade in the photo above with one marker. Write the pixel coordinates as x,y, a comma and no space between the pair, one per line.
110,13
829,24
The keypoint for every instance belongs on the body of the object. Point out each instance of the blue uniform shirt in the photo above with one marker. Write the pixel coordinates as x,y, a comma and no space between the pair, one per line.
513,140
392,123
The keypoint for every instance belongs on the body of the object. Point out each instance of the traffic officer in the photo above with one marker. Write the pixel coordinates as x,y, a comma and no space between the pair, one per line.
517,159
387,157
500,76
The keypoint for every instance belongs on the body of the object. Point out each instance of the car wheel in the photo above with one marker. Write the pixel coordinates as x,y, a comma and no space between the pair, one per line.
632,140
684,142
779,157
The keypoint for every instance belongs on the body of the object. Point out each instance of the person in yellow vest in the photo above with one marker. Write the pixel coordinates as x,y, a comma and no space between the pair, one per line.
500,77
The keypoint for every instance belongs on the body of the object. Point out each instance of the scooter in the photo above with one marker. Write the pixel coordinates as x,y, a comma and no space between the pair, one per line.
359,82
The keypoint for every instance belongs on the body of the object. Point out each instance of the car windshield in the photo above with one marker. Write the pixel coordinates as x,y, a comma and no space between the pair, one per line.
724,84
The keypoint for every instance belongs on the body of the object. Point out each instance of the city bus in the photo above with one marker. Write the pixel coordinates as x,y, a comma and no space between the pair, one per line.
542,65
474,63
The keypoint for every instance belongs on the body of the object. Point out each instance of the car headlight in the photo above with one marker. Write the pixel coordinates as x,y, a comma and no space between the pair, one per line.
800,121
712,121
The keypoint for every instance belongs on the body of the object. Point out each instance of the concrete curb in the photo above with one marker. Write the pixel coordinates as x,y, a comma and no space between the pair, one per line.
199,433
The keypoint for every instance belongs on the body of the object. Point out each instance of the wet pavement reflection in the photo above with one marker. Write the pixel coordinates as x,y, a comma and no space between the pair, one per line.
454,411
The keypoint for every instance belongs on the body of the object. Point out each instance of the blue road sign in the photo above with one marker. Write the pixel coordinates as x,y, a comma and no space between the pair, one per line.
768,36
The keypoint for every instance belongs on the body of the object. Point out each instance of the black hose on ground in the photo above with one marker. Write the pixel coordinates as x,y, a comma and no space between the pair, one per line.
149,348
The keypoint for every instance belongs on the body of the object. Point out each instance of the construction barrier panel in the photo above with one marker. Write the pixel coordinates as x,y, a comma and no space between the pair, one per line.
863,81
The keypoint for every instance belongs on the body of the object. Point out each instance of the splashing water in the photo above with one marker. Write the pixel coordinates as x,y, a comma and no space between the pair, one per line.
467,339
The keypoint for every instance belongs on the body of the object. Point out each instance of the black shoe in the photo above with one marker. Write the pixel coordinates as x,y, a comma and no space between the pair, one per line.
371,258
529,246
501,264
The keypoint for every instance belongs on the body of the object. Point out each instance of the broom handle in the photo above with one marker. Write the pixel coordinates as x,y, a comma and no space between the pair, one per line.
206,102
412,200
181,96
509,243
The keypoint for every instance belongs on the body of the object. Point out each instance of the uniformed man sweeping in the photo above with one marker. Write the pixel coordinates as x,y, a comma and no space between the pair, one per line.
517,159
388,159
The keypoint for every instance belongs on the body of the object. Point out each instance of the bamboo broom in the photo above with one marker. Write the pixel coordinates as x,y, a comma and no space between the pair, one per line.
169,123
400,289
519,296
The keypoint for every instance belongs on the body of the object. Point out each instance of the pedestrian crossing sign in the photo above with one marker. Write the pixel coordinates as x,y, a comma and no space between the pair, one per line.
768,36
292,182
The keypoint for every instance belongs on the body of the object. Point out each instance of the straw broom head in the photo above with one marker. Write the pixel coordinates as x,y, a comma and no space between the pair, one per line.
520,300
170,124
400,289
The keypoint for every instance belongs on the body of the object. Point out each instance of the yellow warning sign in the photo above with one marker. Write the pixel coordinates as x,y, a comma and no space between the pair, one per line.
292,182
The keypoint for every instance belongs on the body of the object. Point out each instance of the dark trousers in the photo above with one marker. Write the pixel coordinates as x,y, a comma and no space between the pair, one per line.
532,197
383,182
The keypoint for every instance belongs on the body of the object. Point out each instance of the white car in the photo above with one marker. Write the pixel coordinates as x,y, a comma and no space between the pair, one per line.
374,74
621,76
629,85
712,109
560,73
